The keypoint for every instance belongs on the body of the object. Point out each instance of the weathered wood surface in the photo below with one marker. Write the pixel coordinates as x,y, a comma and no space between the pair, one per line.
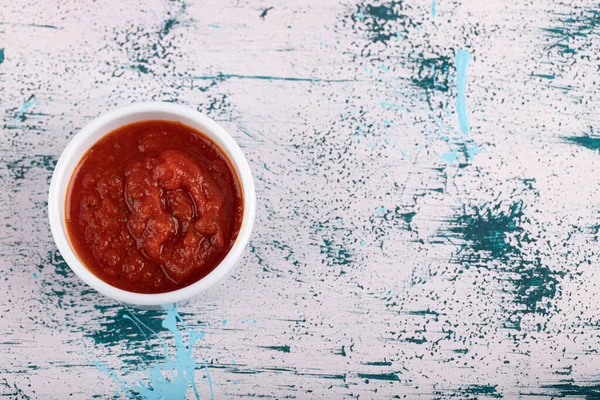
427,182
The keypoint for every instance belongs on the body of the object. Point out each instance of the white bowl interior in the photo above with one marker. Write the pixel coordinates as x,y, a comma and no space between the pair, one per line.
89,135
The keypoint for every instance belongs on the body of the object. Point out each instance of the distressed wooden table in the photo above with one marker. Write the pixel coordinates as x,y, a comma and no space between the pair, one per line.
427,183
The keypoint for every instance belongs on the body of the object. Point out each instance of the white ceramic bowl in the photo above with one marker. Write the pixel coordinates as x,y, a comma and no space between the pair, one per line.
106,123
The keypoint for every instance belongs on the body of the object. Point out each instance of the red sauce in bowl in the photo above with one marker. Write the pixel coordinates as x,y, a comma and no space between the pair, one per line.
153,206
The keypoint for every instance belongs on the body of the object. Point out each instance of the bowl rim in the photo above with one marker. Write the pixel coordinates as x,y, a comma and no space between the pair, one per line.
62,173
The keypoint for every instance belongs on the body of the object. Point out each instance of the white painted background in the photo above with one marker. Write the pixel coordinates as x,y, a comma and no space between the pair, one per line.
344,148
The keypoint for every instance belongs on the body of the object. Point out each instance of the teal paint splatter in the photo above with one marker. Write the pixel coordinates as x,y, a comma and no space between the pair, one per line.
396,217
536,286
335,253
380,377
12,391
264,12
283,349
432,74
415,340
61,268
222,77
30,25
330,237
381,23
462,61
379,19
1,55
150,50
126,327
484,233
341,352
169,24
287,251
433,8
378,363
43,26
19,168
589,142
60,287
140,67
545,76
571,389
574,33
424,313
486,229
565,371
482,390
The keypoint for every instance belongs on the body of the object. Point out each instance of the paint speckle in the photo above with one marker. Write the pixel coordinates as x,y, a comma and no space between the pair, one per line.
264,12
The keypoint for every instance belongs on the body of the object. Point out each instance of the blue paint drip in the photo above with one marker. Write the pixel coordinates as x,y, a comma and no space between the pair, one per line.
1,55
392,105
182,367
212,393
433,8
171,378
450,157
381,210
25,107
473,151
461,61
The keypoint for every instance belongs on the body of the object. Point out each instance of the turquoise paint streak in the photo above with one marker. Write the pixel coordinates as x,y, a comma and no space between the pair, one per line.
23,109
392,105
433,8
268,78
473,151
450,157
462,61
171,378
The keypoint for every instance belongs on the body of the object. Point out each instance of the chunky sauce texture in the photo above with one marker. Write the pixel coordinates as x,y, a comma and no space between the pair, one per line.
153,206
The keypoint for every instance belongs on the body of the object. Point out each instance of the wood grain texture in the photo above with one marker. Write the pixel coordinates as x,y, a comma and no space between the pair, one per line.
406,245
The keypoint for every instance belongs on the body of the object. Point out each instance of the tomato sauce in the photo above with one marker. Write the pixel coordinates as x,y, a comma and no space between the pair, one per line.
153,206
